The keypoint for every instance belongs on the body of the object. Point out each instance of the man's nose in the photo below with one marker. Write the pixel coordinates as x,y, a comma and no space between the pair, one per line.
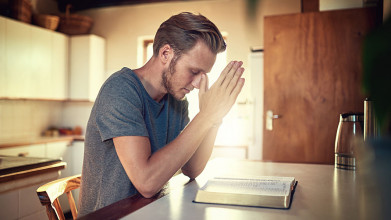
196,81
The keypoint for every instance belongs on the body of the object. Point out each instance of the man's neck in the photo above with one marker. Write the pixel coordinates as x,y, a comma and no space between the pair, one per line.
151,77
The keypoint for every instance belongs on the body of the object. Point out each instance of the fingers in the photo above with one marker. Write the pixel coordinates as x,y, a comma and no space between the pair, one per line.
235,79
224,73
238,88
233,75
231,72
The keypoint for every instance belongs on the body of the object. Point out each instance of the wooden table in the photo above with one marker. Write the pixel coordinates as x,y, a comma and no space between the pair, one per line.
323,192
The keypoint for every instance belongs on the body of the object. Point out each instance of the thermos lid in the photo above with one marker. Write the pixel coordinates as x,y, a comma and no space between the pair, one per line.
353,117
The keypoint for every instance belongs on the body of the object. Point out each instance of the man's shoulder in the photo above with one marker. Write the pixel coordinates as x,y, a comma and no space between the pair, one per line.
125,75
123,80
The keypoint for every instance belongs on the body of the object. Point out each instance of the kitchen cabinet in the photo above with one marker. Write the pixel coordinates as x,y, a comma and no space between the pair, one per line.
87,64
36,150
60,66
41,61
77,164
19,179
72,154
69,152
2,55
33,61
77,157
55,150
18,63
61,150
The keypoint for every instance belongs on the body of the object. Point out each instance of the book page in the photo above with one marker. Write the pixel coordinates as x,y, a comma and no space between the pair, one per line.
265,186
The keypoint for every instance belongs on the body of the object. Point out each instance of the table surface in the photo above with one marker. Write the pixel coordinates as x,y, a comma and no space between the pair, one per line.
323,192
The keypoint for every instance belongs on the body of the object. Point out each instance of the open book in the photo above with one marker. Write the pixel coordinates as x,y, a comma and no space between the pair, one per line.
267,191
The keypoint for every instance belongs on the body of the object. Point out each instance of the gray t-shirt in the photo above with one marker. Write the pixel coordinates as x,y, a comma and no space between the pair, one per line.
123,108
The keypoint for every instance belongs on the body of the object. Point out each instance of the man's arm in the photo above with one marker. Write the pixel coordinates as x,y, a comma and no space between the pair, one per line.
198,161
149,172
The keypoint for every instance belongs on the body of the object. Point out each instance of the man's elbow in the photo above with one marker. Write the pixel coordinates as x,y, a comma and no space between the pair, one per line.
192,174
147,190
146,194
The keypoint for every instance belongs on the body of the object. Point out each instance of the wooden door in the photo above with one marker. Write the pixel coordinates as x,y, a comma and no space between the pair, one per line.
312,73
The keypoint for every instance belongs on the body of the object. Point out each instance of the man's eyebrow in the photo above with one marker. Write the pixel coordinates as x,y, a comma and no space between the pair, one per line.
198,69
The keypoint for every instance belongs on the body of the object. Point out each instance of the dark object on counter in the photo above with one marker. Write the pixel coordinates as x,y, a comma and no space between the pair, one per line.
77,131
65,131
12,164
21,10
376,76
371,129
74,24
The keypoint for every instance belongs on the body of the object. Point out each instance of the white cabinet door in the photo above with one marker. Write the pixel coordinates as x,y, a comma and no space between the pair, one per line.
77,163
72,154
87,63
36,150
77,157
97,69
61,150
41,55
33,61
59,80
3,78
18,59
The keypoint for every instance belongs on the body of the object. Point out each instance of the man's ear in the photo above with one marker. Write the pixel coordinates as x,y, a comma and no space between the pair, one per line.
166,53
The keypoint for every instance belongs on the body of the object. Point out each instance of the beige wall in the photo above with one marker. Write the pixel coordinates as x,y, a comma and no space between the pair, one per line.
121,26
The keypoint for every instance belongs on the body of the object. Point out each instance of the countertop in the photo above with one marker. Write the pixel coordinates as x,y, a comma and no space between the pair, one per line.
39,140
323,192
13,167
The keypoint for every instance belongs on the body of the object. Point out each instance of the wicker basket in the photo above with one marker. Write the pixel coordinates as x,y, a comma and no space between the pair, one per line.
74,24
46,21
21,10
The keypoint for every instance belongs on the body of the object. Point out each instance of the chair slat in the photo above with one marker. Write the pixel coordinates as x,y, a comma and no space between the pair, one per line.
72,204
58,209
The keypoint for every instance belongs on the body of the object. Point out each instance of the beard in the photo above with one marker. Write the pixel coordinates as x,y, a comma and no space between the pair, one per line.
167,80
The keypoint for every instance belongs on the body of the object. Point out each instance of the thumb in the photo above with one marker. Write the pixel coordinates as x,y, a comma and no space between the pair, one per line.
203,84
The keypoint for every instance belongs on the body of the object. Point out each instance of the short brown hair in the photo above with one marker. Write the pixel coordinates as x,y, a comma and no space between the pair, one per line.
182,31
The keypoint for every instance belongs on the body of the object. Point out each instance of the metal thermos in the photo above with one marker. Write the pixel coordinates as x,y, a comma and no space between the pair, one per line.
350,129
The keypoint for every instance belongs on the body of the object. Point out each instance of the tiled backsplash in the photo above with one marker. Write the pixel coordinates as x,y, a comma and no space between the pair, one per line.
26,118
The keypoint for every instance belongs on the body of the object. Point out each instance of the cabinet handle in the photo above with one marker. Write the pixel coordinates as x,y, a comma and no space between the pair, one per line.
23,154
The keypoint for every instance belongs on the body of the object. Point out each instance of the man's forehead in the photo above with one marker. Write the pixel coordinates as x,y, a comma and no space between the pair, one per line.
198,65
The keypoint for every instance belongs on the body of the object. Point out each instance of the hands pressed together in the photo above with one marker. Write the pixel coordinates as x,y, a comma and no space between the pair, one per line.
216,101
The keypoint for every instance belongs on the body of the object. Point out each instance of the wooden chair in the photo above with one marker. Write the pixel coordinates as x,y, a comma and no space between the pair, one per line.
48,195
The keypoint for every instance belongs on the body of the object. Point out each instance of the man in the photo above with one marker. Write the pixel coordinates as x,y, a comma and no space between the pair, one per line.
138,135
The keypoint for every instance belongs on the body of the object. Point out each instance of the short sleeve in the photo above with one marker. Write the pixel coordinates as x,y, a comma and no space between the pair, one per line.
120,111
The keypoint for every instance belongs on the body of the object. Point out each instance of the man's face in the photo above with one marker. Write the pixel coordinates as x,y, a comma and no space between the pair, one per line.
184,75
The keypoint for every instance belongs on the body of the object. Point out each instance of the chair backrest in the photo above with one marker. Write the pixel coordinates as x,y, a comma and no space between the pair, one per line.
48,195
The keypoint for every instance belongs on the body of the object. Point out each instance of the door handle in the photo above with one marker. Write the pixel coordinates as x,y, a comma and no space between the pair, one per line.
269,119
